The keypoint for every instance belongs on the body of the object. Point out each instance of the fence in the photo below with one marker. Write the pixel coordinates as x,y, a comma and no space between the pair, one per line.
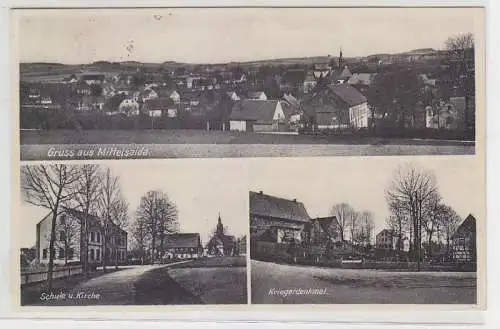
29,277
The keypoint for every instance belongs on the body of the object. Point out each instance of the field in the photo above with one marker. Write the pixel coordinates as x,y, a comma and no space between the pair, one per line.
271,284
213,144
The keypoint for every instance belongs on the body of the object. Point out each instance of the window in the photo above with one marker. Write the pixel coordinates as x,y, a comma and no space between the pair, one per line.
62,219
62,236
98,254
92,236
91,254
44,253
71,253
98,237
61,253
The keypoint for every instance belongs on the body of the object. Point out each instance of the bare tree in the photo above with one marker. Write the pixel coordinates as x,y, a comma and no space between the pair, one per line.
156,215
461,55
353,225
68,228
140,234
50,187
86,200
342,211
109,197
411,187
432,217
449,223
398,222
366,226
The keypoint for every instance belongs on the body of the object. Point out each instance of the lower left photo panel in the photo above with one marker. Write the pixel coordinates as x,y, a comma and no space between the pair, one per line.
170,232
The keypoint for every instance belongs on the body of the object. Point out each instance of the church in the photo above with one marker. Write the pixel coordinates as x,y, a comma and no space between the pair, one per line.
221,244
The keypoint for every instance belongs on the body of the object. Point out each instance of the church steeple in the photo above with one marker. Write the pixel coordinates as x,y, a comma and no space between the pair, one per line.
341,60
220,227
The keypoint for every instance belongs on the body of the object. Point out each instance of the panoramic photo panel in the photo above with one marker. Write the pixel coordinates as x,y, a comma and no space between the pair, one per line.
352,232
157,83
106,234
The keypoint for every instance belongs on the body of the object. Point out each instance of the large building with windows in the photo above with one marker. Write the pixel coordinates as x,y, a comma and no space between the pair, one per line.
69,237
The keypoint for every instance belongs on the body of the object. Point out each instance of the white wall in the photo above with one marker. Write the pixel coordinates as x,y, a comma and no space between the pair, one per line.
237,125
358,115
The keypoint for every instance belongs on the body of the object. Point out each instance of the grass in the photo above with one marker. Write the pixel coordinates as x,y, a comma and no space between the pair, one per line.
193,136
217,280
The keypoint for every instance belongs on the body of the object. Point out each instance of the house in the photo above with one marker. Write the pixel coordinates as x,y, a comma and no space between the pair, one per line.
148,94
344,75
257,115
70,235
82,89
169,93
160,107
129,106
183,246
239,77
221,244
337,106
92,78
361,81
309,82
275,219
88,103
385,239
321,70
257,95
446,115
292,109
233,96
323,230
463,241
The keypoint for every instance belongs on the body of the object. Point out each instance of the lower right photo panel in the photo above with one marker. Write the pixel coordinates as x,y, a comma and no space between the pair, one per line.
377,230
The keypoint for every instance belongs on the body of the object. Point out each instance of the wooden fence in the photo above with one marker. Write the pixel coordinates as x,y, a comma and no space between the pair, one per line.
28,277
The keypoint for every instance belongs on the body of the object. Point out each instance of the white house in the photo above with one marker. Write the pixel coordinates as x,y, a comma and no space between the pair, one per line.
233,96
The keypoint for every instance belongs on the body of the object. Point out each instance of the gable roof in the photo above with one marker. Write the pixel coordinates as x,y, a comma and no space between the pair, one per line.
346,73
348,94
468,224
182,240
254,110
271,206
255,94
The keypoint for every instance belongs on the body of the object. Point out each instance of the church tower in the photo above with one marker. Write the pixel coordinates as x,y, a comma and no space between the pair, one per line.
341,60
220,227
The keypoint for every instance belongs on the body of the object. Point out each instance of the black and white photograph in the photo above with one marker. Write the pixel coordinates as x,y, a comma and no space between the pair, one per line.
356,232
132,233
247,82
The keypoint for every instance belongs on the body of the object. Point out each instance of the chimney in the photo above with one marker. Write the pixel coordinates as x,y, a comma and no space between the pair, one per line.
260,192
294,200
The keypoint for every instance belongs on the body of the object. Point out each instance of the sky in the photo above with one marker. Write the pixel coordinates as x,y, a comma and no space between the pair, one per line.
214,35
322,182
200,189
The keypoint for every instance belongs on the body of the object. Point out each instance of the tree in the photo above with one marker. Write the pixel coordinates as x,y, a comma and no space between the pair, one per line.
398,222
449,223
353,225
110,197
432,217
342,211
461,58
366,226
394,94
68,228
156,216
50,187
86,198
410,188
140,234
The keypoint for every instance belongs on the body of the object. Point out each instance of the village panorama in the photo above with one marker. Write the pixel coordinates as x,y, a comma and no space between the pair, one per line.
423,99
